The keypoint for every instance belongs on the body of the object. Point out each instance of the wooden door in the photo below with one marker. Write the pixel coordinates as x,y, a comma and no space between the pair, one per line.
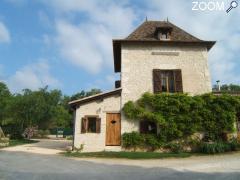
113,129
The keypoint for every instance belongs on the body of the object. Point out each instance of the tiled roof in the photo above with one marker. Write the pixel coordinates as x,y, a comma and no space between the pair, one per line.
146,32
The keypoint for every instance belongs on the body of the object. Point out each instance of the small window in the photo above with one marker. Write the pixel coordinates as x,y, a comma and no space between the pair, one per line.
90,124
147,127
164,34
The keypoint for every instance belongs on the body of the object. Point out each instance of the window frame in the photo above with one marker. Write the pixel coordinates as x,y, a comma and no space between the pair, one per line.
85,129
177,80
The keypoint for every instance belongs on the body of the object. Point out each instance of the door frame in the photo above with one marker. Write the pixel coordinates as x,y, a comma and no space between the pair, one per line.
120,126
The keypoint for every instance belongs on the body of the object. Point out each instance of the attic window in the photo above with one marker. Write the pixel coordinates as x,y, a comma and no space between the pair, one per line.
163,33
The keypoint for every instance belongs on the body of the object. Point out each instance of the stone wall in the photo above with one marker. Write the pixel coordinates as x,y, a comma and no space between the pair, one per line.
139,61
95,141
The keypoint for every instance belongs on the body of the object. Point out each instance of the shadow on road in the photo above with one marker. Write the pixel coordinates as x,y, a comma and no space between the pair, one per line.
25,166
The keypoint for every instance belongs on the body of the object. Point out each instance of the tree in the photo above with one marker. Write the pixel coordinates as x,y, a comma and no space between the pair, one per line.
5,96
228,87
84,94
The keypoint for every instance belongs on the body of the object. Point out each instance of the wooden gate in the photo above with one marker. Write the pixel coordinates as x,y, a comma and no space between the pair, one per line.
113,129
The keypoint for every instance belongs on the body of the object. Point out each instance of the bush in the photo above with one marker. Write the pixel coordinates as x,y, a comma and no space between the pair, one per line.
218,147
174,147
151,142
132,140
42,133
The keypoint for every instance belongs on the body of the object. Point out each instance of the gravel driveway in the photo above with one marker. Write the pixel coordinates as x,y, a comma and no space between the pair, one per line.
27,165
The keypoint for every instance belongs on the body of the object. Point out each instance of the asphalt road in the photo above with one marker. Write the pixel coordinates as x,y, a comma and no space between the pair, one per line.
16,165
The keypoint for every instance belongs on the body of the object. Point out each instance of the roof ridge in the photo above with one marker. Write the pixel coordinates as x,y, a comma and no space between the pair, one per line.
93,96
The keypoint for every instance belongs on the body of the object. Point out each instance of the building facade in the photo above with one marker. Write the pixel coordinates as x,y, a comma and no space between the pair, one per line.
157,57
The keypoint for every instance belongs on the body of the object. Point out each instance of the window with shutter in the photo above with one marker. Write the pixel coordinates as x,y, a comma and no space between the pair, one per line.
91,124
157,87
98,125
84,125
178,80
167,81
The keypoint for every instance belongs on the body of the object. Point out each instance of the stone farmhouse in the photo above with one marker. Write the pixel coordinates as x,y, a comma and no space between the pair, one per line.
157,57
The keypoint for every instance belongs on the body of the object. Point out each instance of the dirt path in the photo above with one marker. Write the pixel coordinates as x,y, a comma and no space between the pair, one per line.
44,146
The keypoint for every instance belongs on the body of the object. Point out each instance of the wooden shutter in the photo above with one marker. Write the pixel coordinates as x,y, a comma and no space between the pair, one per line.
84,125
178,80
98,125
157,87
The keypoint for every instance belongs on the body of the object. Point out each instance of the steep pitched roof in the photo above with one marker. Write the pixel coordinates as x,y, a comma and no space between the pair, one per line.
147,29
146,33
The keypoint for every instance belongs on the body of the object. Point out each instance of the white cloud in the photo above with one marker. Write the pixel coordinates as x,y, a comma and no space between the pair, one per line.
86,42
32,76
4,34
77,47
89,44
207,25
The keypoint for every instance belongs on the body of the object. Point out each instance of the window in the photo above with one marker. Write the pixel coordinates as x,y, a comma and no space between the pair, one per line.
163,33
167,81
147,127
90,124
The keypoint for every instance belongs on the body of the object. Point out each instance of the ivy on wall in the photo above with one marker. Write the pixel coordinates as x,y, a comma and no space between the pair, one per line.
180,115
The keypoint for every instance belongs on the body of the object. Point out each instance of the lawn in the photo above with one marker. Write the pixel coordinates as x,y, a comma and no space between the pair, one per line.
127,155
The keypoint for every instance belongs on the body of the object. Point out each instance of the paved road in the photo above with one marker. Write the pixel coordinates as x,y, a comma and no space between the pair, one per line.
35,166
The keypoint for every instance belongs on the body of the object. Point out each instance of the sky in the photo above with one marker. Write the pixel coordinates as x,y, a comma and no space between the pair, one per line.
67,44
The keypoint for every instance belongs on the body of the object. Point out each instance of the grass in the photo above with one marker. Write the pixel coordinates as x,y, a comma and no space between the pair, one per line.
17,142
127,155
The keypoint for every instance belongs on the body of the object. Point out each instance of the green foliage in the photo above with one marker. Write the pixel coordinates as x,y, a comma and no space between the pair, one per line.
174,147
132,140
228,88
151,142
42,133
218,147
179,115
44,109
84,94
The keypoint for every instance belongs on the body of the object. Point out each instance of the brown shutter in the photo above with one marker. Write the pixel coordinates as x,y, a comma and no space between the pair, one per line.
98,125
178,80
84,125
157,87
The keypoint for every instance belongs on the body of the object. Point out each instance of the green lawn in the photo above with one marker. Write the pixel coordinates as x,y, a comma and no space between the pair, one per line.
16,142
127,155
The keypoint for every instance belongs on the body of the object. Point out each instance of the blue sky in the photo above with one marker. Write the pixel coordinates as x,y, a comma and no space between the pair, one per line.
67,44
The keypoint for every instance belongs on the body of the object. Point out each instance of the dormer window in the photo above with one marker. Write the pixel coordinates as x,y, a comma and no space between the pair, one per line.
163,33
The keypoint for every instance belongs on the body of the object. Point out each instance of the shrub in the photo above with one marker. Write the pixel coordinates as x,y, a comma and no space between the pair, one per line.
174,147
42,133
132,140
151,142
217,147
